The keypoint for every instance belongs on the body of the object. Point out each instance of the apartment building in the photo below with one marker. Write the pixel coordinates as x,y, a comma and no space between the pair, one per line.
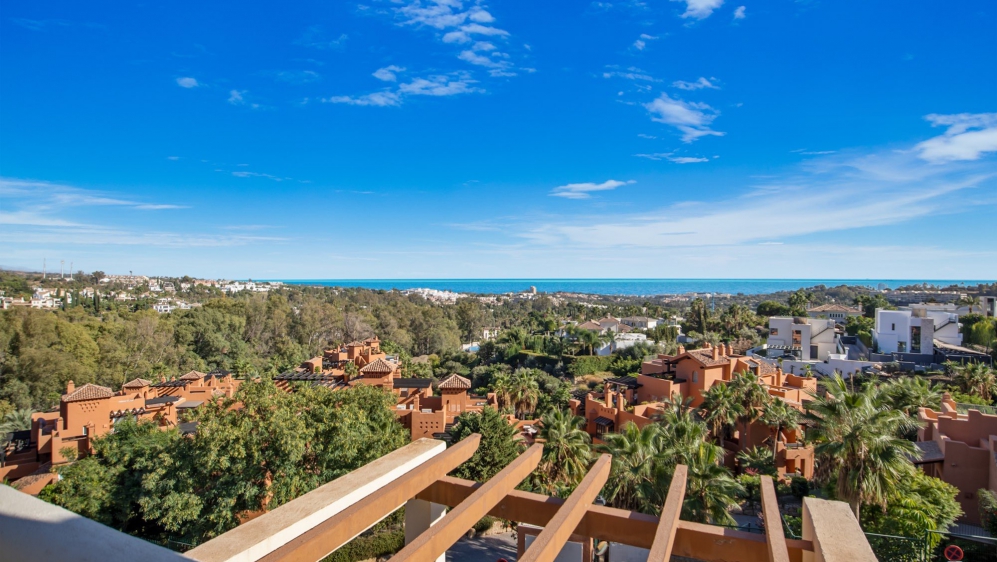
689,375
806,339
961,449
901,331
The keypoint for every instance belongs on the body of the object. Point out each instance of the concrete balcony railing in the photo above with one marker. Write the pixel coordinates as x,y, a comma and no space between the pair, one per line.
439,510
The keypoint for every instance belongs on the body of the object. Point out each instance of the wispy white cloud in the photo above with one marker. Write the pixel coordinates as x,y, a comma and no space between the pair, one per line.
439,86
461,25
700,9
693,119
435,85
297,76
35,202
316,37
968,137
630,73
700,84
825,195
739,13
376,99
641,41
187,82
388,73
238,97
583,190
671,157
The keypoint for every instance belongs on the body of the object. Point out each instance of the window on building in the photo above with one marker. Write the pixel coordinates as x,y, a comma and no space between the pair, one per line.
797,337
915,339
893,327
695,376
902,347
775,331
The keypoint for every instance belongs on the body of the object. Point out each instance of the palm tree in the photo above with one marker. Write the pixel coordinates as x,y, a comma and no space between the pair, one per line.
907,394
757,459
502,387
636,454
710,490
588,339
524,393
858,444
16,420
567,452
779,415
721,409
752,396
978,379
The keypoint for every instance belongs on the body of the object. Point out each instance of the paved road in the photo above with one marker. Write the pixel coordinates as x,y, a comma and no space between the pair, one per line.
484,549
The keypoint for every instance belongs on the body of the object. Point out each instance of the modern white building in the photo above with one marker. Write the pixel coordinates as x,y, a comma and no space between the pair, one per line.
621,341
640,322
809,339
945,320
900,331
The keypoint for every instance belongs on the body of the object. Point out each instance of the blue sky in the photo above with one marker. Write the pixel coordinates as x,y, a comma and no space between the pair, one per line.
421,139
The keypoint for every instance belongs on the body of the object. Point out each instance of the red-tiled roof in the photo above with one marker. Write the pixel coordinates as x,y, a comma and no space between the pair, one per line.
379,366
193,376
137,383
705,356
88,392
455,382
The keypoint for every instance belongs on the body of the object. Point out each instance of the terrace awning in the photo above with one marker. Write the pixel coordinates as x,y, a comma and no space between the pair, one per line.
604,422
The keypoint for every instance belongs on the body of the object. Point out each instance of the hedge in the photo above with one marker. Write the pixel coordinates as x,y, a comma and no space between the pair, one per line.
589,364
366,547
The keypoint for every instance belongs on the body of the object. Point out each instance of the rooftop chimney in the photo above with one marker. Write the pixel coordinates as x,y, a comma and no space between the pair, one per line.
681,350
716,353
70,387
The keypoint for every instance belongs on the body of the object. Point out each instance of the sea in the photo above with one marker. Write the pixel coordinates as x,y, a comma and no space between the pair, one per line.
629,287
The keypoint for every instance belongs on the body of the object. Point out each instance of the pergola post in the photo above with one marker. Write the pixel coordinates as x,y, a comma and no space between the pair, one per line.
549,542
775,536
430,545
668,525
420,515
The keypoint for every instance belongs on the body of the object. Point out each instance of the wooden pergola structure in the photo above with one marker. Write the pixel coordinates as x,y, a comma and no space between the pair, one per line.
316,524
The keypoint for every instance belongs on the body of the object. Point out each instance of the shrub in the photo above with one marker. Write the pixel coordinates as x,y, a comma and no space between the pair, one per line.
366,547
588,365
799,487
485,524
988,510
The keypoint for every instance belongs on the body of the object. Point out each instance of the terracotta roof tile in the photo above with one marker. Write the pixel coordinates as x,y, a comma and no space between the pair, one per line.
88,392
455,382
379,366
137,383
705,356
193,376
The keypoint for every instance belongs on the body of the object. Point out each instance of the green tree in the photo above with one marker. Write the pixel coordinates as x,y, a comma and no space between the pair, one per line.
772,308
799,301
710,492
908,394
567,453
758,460
524,392
779,415
920,504
977,379
721,408
496,450
858,443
